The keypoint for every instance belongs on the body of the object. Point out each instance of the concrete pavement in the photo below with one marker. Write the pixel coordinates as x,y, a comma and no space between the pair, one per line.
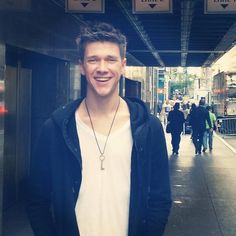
203,190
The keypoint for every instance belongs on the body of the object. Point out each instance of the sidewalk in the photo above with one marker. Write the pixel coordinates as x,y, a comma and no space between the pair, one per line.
229,141
203,190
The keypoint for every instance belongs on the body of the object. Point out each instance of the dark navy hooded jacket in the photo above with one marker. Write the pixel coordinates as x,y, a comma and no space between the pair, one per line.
55,177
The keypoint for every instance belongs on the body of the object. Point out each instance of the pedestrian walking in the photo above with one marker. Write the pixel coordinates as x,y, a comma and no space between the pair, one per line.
166,108
208,134
176,120
198,119
159,107
100,167
186,111
190,117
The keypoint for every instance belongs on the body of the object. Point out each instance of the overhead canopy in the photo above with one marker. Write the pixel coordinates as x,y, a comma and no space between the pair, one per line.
184,37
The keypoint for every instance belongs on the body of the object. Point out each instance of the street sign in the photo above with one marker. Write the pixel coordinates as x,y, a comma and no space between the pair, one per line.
152,6
85,6
220,7
15,5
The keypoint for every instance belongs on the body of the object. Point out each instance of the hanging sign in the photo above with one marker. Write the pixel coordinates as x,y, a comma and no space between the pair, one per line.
152,6
85,6
220,7
15,5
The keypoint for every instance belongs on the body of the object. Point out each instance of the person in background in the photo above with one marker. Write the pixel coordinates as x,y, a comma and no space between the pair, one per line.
208,134
190,118
198,119
176,120
185,110
159,107
101,165
166,108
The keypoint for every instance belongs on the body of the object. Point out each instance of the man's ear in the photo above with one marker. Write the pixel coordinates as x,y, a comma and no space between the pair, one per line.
124,61
81,68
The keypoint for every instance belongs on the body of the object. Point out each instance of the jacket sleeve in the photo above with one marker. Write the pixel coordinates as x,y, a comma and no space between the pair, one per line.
208,119
169,116
190,118
183,118
39,188
159,202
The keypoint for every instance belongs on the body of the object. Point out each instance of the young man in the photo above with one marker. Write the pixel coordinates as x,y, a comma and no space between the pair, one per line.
199,117
176,121
208,134
101,166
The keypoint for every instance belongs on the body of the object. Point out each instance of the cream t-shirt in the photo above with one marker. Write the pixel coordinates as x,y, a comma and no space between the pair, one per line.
102,207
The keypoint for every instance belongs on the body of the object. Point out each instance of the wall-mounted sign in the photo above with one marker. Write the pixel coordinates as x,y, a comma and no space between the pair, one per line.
152,6
15,5
220,6
85,6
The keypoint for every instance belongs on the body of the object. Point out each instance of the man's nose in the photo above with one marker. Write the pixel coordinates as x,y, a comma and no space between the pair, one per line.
102,66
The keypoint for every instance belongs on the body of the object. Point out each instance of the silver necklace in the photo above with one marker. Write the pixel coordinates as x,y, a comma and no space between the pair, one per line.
102,151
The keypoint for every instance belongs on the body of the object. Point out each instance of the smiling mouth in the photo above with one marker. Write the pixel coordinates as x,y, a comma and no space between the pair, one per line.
102,79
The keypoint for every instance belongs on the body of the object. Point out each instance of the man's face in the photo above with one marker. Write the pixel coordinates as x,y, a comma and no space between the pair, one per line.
102,67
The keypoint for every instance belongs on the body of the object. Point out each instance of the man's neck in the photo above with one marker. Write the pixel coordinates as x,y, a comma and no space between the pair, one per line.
102,106
102,117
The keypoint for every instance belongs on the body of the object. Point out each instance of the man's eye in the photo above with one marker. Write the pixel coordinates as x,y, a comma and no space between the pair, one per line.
92,60
112,60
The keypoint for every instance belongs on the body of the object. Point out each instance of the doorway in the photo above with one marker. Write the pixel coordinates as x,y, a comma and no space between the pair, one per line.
17,132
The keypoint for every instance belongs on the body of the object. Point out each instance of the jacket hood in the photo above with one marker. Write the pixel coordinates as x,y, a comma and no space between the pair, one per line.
138,111
65,113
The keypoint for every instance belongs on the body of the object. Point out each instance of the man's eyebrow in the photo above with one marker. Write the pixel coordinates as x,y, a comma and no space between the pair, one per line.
107,56
113,56
92,56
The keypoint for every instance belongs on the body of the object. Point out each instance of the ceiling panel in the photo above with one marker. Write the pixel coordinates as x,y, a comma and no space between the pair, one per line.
187,31
185,37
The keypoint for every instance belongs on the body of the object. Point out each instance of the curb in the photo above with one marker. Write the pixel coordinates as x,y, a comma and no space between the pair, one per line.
226,144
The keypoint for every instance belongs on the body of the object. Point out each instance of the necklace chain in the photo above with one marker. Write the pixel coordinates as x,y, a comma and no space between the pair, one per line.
102,156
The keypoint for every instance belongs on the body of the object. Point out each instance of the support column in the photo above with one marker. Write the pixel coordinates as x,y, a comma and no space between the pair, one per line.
2,86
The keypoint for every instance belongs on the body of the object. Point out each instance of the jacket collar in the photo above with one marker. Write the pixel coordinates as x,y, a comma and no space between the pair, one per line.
63,114
138,112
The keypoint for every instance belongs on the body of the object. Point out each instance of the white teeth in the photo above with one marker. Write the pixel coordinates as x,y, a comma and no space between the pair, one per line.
101,79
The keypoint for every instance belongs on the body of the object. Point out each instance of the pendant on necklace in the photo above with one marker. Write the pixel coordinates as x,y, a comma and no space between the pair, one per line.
102,151
102,158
